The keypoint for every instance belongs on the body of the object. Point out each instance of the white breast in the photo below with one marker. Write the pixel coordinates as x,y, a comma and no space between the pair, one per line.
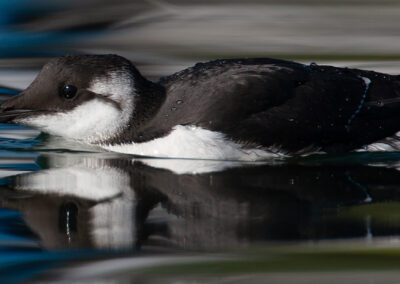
193,142
92,121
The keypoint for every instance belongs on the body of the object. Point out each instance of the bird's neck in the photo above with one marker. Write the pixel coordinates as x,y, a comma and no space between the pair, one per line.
149,97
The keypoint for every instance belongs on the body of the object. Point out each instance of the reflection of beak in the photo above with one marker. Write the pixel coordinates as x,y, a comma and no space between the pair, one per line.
14,108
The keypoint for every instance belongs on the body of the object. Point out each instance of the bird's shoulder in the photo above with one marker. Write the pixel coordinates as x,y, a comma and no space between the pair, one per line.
231,87
206,70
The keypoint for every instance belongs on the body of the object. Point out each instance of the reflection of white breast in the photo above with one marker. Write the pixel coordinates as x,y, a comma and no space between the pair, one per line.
191,142
79,181
111,223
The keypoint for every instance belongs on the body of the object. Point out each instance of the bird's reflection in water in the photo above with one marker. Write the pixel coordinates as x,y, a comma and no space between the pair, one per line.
88,200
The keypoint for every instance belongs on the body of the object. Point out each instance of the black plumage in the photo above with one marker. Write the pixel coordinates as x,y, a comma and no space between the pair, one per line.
281,104
266,103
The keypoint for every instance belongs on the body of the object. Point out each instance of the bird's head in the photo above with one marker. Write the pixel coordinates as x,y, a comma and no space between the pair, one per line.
85,97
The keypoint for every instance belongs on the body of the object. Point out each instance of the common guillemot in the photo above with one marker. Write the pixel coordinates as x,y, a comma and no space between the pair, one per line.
237,109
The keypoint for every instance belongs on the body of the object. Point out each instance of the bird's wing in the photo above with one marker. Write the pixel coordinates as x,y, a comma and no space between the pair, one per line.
331,111
282,104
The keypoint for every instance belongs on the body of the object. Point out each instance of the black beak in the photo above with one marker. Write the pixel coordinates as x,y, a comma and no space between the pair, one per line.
14,108
7,115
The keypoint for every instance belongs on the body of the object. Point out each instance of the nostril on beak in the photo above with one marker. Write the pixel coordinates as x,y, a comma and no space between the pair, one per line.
6,109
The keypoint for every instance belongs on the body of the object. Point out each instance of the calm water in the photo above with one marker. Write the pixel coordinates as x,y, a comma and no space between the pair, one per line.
74,214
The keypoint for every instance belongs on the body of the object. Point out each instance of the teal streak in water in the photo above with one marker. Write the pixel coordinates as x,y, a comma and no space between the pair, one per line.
13,230
8,91
19,266
24,144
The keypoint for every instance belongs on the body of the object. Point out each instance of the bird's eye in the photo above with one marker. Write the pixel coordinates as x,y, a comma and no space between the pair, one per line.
69,91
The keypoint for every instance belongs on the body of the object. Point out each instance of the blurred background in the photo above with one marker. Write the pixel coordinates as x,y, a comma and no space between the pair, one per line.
162,37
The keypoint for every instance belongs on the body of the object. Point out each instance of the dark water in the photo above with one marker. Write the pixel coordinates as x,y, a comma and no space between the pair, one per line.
73,214
68,215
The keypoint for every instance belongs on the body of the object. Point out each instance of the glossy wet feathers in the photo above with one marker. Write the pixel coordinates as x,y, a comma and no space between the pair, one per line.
280,104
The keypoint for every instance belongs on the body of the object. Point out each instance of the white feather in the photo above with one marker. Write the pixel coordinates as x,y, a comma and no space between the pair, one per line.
388,144
194,143
118,86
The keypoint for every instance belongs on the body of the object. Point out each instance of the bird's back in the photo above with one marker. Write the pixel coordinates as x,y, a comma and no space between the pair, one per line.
281,104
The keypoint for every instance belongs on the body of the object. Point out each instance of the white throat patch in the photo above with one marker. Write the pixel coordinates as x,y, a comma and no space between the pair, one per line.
95,120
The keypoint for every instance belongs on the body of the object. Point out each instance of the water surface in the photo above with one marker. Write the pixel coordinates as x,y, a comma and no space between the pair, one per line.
177,217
